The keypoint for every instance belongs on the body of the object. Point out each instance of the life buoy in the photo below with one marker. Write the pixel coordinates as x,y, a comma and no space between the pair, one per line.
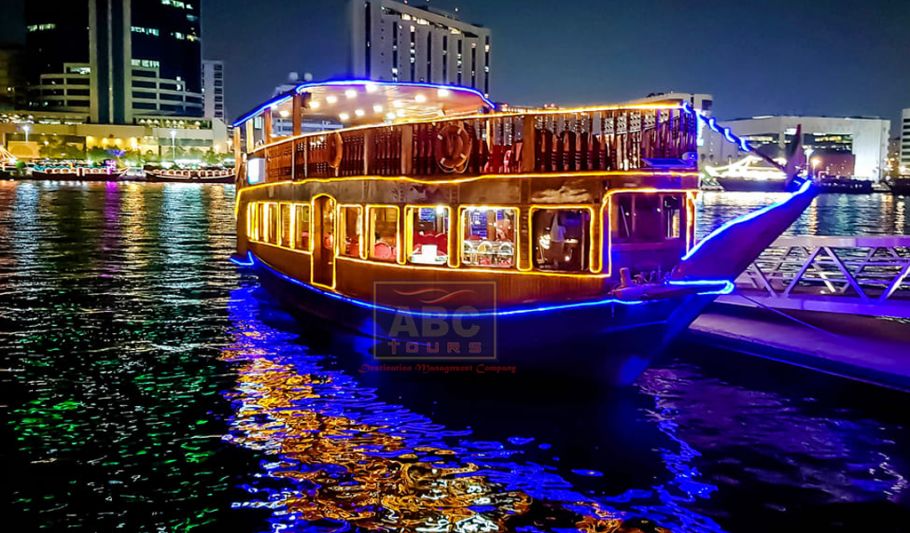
335,147
453,148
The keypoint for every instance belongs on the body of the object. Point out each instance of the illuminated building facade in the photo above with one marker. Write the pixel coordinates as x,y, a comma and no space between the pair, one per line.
115,59
851,146
904,164
213,88
393,41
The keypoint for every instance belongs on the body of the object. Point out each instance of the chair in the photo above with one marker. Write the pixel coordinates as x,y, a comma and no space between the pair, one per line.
382,251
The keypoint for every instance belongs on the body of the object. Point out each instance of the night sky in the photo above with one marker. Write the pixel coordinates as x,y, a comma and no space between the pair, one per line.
835,57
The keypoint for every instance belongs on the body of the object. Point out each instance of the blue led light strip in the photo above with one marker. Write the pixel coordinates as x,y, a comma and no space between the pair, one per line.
747,217
283,97
711,122
726,287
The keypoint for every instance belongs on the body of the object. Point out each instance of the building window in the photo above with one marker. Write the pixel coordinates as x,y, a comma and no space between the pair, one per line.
561,239
350,234
488,237
302,227
428,235
41,27
384,233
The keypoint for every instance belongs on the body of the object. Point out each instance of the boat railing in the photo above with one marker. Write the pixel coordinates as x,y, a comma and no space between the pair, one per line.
860,275
605,139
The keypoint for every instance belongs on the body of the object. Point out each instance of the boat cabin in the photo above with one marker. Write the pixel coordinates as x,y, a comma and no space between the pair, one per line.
417,181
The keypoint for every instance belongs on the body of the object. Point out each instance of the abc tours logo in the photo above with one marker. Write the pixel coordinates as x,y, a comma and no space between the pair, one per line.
440,321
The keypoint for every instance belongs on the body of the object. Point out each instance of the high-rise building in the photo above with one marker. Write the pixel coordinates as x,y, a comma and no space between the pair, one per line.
904,163
115,59
213,89
11,80
394,41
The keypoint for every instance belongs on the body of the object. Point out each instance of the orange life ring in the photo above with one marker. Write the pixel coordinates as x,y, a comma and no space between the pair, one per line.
335,147
453,148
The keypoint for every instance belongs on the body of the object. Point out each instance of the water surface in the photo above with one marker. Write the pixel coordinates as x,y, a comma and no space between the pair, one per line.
147,385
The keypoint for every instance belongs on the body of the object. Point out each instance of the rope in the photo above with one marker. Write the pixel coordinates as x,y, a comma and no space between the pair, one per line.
785,315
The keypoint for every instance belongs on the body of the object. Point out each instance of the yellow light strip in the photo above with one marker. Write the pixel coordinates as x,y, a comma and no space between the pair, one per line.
466,179
472,270
515,231
487,116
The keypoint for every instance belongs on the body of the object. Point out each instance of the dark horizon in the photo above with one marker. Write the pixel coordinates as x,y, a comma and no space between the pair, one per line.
778,58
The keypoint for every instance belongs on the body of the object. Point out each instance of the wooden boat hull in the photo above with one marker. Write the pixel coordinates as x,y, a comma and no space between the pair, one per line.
750,185
72,176
840,186
613,342
165,178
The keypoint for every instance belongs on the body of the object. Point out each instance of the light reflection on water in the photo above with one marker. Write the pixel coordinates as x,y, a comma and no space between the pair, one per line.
145,384
829,214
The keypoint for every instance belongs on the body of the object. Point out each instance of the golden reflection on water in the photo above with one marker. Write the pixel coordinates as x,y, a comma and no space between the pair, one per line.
360,473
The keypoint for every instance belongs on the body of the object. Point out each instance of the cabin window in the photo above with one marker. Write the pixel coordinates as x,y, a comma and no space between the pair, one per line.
384,233
489,237
251,222
285,210
647,217
561,239
260,222
350,231
273,217
302,227
429,235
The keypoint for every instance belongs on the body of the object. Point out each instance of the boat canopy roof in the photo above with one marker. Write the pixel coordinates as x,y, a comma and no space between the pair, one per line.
366,102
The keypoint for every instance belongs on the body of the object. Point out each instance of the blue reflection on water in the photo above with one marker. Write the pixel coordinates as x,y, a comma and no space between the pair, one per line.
336,451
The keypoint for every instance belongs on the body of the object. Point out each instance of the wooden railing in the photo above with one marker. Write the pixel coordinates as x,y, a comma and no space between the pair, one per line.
606,139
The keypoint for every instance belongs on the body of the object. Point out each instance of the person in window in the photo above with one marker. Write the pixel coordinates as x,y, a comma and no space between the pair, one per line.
558,242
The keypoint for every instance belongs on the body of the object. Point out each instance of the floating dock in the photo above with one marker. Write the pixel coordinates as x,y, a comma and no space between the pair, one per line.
870,349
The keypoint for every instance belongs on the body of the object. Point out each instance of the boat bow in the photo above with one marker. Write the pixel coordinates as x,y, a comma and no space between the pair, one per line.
728,250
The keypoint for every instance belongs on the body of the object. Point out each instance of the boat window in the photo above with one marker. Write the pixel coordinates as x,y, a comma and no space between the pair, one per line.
384,233
260,222
429,235
350,234
489,237
273,219
251,223
285,210
561,239
302,227
648,217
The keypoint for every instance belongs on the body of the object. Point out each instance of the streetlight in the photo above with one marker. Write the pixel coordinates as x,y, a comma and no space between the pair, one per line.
174,143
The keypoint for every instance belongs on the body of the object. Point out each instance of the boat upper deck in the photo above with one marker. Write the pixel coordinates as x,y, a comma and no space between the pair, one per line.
365,128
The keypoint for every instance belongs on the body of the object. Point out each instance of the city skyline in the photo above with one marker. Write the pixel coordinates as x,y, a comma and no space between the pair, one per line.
548,52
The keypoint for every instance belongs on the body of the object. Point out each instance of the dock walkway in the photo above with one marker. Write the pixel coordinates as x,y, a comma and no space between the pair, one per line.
863,348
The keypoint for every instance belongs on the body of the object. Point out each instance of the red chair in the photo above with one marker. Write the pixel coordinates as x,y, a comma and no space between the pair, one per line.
382,251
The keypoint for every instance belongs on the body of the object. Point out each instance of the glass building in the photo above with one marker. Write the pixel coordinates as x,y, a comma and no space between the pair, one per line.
115,60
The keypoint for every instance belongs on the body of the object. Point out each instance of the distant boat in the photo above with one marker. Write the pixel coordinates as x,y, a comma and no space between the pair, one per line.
751,174
899,186
78,173
220,175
